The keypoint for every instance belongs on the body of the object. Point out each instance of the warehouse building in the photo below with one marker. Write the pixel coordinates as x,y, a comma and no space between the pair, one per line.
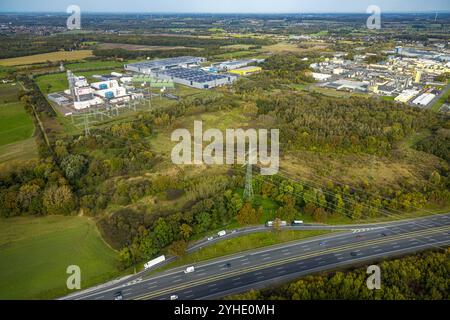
235,64
152,81
150,67
246,71
196,78
424,100
406,95
348,85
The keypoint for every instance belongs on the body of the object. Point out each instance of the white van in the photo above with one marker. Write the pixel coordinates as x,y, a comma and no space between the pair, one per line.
222,233
189,270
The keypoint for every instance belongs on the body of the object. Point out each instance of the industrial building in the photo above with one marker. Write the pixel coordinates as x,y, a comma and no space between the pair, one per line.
424,100
181,70
406,95
150,67
321,76
82,93
196,78
246,71
348,85
235,64
152,81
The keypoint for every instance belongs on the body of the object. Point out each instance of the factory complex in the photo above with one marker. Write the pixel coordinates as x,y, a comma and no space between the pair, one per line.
118,88
189,71
407,75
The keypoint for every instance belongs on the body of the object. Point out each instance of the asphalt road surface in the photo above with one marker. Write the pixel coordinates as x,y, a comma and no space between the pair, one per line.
273,265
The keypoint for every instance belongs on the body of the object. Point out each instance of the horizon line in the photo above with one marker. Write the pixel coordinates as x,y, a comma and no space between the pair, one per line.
247,13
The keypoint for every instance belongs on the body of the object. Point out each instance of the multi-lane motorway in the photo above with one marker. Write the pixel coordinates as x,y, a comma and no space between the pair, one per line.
271,265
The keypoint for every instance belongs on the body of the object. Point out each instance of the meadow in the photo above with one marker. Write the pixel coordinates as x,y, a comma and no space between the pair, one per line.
15,123
36,251
44,57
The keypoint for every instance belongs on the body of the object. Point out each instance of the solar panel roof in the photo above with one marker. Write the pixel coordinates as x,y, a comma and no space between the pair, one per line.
193,75
155,64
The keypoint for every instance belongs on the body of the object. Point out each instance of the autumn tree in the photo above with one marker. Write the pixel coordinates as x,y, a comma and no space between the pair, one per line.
178,248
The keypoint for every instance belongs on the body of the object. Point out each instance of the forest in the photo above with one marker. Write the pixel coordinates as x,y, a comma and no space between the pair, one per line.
419,277
124,189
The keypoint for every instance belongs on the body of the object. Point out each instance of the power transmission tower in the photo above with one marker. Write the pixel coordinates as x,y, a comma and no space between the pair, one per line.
87,131
248,192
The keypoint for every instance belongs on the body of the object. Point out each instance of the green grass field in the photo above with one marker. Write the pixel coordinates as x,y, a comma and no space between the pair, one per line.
35,254
15,123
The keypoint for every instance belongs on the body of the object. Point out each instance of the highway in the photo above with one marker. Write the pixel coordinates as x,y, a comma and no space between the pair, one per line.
273,265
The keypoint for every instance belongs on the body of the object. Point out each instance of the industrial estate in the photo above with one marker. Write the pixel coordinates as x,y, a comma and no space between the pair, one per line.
135,152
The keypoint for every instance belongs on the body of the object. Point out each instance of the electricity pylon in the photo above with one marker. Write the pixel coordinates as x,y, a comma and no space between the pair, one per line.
248,191
87,131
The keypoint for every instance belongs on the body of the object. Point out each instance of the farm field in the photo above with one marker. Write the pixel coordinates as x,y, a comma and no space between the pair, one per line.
35,253
52,56
19,151
15,123
134,47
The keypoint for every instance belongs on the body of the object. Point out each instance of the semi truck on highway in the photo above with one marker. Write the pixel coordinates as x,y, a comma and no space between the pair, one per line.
272,224
154,262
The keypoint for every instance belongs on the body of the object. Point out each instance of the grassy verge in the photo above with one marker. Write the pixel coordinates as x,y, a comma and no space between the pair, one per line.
438,104
35,253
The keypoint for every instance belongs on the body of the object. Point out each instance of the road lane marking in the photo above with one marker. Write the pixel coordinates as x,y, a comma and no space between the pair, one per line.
343,248
284,261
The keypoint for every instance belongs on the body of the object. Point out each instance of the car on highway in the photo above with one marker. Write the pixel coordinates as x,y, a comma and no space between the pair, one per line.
297,223
359,236
174,297
228,265
234,231
354,254
118,296
322,243
210,238
189,270
383,234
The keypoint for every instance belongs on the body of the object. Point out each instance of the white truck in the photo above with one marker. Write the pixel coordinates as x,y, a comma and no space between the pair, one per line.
222,233
154,262
272,224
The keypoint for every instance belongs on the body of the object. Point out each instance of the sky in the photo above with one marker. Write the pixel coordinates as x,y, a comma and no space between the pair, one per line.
224,6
